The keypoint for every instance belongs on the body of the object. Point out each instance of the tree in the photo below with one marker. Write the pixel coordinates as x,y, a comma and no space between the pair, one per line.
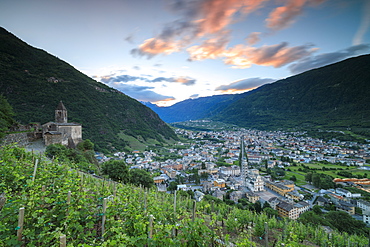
172,186
139,176
270,212
293,178
56,151
308,177
316,180
85,145
116,170
6,115
317,210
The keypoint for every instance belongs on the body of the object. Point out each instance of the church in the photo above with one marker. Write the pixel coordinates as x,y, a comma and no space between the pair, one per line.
60,131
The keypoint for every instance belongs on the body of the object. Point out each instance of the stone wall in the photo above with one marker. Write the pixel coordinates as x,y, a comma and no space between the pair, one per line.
22,139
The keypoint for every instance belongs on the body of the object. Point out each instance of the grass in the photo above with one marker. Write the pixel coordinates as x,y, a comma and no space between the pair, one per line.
353,169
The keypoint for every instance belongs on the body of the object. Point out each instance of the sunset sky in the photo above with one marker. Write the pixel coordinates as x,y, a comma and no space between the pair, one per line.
166,51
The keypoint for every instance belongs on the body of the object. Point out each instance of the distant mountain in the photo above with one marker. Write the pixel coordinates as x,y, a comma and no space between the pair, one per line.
192,109
34,82
334,96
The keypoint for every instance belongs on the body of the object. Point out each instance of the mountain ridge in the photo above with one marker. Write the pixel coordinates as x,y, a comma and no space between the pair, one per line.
333,96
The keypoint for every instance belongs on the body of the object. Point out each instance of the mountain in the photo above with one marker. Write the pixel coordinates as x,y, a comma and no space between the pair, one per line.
34,82
192,109
335,96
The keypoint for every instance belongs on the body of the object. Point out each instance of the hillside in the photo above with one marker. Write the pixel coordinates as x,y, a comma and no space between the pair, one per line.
57,201
34,81
334,96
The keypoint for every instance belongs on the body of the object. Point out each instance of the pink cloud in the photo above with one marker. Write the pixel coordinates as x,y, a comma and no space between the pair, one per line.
207,22
282,17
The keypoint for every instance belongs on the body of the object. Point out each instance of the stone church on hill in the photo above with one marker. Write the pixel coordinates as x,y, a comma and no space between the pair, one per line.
60,131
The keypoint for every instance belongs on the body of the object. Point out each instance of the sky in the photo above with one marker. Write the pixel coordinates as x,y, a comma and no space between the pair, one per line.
166,51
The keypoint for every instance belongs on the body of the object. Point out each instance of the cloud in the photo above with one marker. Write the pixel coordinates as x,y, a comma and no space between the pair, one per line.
364,26
140,93
136,67
202,29
120,78
187,81
194,96
152,47
283,16
242,56
110,79
253,38
327,58
244,85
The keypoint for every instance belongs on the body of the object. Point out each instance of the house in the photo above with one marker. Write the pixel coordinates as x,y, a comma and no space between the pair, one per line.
346,207
219,183
252,197
302,207
343,192
236,195
287,210
281,187
158,180
364,205
321,201
366,217
219,194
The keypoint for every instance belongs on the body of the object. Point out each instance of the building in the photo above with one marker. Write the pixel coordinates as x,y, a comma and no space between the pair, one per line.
287,210
364,205
219,183
60,131
366,217
282,187
252,197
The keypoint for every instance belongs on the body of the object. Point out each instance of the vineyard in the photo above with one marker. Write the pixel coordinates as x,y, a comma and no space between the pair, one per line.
49,203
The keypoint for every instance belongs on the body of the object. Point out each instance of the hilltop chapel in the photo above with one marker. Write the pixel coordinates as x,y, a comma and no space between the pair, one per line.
60,131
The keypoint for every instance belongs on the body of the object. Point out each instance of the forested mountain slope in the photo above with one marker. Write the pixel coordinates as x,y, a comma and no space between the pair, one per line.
334,96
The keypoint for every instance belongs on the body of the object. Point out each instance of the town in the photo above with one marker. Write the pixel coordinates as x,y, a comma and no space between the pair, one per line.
237,164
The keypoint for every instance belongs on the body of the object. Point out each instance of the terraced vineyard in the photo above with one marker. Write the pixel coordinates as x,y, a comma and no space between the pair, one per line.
63,207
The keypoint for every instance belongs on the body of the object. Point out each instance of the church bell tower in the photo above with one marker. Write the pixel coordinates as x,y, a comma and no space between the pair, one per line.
61,113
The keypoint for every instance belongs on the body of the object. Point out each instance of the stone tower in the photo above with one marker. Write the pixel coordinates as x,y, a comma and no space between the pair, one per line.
61,113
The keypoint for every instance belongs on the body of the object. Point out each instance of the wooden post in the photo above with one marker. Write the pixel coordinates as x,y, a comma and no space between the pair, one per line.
145,200
69,197
174,203
20,224
150,226
43,190
194,208
266,234
114,189
104,217
34,170
63,241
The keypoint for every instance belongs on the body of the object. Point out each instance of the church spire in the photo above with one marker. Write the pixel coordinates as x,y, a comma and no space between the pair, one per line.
61,113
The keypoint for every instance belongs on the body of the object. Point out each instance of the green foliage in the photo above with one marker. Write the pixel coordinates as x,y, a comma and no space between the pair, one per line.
6,115
116,170
49,213
140,177
34,82
83,158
